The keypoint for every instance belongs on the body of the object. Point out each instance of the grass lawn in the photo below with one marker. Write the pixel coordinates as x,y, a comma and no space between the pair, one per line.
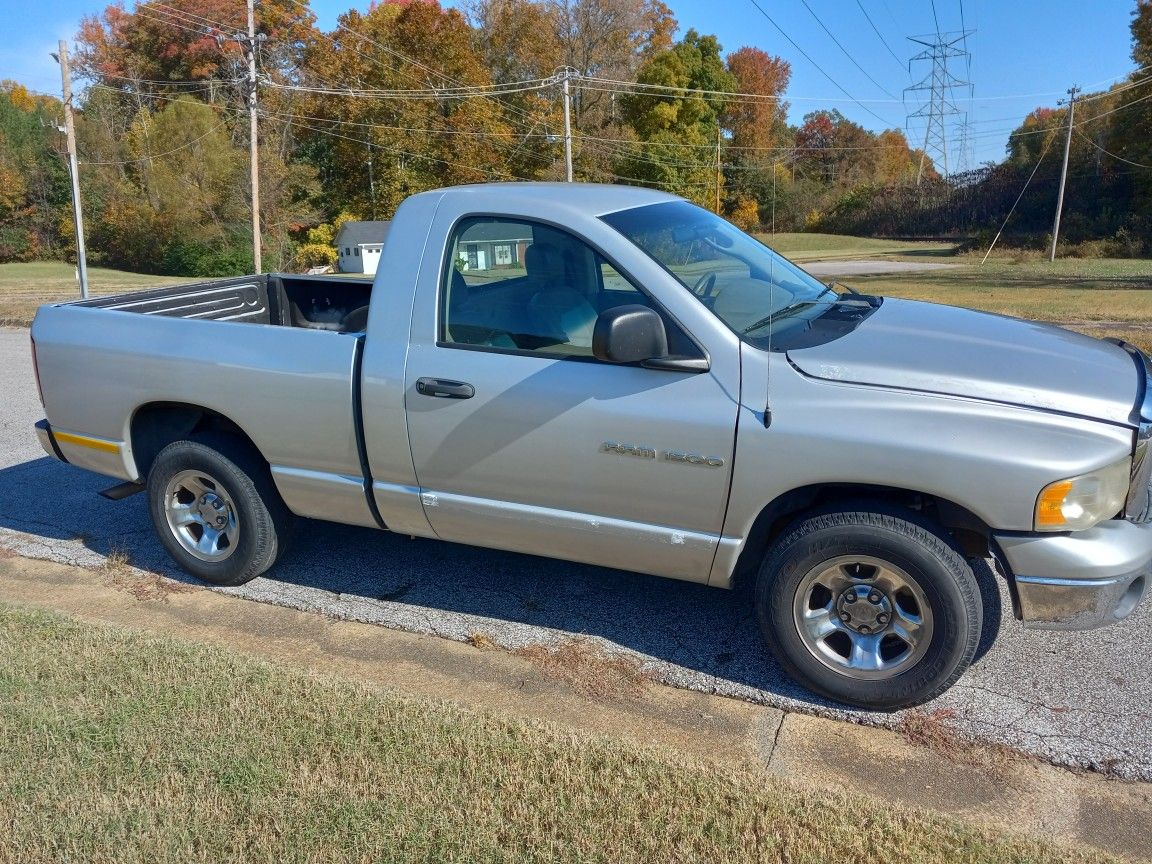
1099,297
829,247
23,287
120,747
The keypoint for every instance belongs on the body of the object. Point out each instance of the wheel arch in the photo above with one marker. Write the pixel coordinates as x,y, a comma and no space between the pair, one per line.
155,425
971,533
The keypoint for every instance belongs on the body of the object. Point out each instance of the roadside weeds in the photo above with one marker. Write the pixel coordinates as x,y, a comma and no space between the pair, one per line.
587,668
140,584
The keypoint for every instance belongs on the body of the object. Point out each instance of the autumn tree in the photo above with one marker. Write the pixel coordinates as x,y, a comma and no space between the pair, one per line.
761,122
161,47
34,191
893,160
412,143
517,40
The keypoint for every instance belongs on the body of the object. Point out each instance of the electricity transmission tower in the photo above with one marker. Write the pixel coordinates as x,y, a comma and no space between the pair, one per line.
963,145
940,84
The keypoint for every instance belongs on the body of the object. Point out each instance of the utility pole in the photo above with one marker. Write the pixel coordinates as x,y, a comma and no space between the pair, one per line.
567,128
371,175
254,155
73,169
1063,172
774,166
719,175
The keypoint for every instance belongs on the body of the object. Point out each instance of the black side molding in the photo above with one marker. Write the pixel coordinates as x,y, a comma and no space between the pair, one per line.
46,428
358,423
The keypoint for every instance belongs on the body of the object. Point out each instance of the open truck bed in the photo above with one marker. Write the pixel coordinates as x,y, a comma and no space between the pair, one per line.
337,303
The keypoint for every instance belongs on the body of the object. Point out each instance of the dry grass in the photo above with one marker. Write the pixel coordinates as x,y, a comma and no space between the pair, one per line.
482,640
141,584
585,667
930,729
1069,290
830,247
119,747
116,561
24,287
933,730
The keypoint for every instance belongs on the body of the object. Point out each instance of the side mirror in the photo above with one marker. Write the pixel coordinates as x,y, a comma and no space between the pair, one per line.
629,334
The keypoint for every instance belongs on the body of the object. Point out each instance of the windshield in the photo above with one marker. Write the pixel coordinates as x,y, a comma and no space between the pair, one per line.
752,289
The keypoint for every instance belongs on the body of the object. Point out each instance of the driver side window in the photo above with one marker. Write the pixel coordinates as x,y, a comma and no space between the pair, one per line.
518,285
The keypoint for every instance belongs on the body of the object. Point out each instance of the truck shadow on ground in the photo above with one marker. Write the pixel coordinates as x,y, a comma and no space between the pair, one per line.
429,586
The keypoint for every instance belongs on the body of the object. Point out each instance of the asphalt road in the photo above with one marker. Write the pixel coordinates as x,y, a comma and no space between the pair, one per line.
1079,699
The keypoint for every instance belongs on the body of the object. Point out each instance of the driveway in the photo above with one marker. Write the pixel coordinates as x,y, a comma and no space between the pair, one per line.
869,267
1079,699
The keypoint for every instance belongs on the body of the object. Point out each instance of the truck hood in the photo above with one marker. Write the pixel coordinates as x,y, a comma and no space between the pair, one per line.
942,349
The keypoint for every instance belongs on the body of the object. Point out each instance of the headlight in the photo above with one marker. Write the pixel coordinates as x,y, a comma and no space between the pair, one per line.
1080,502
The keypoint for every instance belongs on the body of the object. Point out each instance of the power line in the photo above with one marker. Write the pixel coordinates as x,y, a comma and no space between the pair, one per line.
1114,110
431,94
1110,153
845,50
819,68
1027,183
964,30
170,22
152,156
477,168
876,30
410,60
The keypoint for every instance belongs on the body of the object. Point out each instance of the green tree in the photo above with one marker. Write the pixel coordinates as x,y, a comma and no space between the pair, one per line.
677,129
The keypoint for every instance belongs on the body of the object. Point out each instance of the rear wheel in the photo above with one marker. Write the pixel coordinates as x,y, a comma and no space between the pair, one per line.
216,510
873,607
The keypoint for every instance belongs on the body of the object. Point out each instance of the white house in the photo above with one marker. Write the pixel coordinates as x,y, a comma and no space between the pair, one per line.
359,245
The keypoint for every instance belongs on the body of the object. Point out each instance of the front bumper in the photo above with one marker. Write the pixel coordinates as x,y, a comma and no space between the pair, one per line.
1079,580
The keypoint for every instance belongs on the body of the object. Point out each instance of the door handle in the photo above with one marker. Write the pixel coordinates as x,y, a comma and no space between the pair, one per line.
444,389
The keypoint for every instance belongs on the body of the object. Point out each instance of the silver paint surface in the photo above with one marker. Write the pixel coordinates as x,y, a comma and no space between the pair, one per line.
979,410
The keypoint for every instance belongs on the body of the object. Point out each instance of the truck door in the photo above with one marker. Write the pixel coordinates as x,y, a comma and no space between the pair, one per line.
522,440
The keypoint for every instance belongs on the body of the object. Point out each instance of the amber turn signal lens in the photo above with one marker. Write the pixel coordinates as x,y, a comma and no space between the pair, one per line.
1050,506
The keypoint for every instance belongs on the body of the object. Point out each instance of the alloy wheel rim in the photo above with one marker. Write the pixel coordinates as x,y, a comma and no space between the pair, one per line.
863,617
201,516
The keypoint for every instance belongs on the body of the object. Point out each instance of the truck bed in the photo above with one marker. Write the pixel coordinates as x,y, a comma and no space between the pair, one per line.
338,303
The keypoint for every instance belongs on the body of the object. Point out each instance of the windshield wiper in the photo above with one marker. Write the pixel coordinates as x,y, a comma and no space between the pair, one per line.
832,285
786,311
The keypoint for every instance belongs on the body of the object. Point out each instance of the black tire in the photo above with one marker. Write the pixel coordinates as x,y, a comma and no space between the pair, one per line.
242,488
893,546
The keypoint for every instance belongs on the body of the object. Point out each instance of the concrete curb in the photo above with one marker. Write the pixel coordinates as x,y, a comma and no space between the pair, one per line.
988,785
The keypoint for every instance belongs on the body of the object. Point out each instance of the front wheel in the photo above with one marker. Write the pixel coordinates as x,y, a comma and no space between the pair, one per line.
216,510
874,607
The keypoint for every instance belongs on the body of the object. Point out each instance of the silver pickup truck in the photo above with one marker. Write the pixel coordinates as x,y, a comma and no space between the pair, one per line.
614,376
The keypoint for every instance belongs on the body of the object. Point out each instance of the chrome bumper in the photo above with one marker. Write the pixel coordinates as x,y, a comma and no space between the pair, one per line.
1080,580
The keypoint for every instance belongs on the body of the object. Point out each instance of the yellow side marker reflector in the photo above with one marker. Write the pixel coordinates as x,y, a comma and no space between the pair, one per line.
85,441
1050,507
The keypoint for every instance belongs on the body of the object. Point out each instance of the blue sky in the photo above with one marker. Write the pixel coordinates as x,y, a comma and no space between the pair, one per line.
1024,54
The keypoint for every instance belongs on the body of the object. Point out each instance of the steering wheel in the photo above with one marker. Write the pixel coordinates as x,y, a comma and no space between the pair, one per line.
705,285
